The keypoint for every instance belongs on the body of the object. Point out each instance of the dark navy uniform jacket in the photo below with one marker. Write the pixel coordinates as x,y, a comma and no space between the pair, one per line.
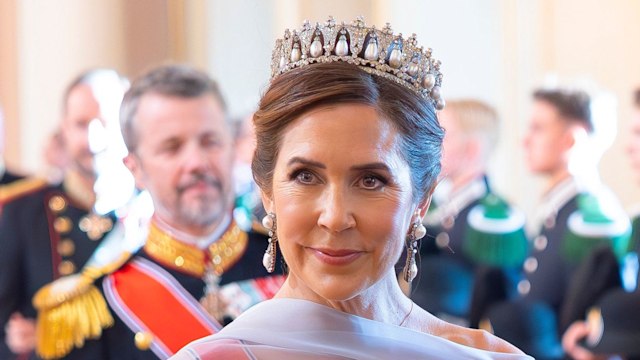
40,240
118,342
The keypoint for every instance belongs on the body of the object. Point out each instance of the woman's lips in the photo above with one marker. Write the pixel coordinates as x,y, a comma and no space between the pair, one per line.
336,257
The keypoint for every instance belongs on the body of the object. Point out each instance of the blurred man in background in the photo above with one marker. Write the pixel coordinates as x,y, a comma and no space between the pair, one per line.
197,269
52,230
575,217
461,243
613,325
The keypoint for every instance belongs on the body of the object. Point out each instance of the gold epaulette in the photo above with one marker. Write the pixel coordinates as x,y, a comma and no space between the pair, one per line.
20,188
71,310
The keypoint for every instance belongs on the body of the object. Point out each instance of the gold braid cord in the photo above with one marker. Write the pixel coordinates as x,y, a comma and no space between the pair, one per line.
72,310
20,187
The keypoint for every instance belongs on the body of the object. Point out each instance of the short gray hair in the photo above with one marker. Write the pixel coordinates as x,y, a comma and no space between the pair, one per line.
169,80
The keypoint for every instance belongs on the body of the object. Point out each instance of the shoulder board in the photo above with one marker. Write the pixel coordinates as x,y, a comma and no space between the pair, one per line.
495,216
598,215
584,235
495,234
20,188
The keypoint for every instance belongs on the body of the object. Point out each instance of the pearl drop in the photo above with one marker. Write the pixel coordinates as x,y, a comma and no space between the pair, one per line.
435,93
371,51
440,103
395,58
267,260
295,54
428,81
282,62
413,271
267,222
342,47
413,69
420,231
316,48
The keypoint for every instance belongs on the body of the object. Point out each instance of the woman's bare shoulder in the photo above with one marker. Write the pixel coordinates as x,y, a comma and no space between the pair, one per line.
479,339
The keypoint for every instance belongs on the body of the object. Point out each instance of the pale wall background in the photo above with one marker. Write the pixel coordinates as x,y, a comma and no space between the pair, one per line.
495,50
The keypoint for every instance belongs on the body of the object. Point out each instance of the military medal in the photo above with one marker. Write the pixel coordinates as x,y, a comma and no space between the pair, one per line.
212,301
95,225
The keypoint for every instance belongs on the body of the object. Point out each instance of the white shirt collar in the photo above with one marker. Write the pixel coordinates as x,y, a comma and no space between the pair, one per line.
451,205
555,199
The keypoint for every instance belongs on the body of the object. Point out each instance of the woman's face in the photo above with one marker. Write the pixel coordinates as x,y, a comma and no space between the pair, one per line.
343,201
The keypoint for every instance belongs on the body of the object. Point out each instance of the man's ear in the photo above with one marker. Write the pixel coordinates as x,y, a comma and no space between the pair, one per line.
574,136
133,164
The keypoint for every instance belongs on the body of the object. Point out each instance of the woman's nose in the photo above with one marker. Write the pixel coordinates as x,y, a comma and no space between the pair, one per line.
336,213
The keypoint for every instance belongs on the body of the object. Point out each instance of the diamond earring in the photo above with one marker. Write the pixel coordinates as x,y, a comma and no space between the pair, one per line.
269,258
418,231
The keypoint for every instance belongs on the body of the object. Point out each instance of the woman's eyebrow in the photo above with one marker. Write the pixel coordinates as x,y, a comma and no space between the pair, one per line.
301,160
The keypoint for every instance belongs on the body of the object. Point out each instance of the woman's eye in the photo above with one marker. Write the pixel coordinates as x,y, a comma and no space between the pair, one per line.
371,182
305,177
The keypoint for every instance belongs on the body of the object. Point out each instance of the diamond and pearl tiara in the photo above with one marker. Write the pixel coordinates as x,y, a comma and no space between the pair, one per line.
378,52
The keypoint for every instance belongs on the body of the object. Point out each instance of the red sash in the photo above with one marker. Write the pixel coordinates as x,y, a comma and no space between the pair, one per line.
148,299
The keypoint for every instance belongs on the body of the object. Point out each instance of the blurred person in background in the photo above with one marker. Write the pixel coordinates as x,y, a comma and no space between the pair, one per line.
197,269
12,184
53,229
55,158
613,325
248,206
575,218
472,231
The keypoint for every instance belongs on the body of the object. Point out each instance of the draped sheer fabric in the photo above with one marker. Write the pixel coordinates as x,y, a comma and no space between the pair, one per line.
300,329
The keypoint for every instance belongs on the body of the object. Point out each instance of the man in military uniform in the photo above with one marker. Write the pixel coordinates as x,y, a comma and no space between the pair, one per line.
576,215
51,230
462,204
613,325
559,141
197,268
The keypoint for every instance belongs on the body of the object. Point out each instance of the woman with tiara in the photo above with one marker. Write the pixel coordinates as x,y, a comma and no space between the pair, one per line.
348,153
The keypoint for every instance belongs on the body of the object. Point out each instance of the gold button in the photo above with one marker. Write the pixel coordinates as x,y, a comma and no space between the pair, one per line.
66,247
531,264
550,222
57,203
66,268
540,242
442,240
524,286
95,225
143,340
179,261
62,224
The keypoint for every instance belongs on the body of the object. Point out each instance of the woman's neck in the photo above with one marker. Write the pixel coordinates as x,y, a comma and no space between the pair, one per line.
384,301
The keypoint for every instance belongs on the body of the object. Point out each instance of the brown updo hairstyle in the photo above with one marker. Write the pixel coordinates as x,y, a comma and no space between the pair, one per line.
298,91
